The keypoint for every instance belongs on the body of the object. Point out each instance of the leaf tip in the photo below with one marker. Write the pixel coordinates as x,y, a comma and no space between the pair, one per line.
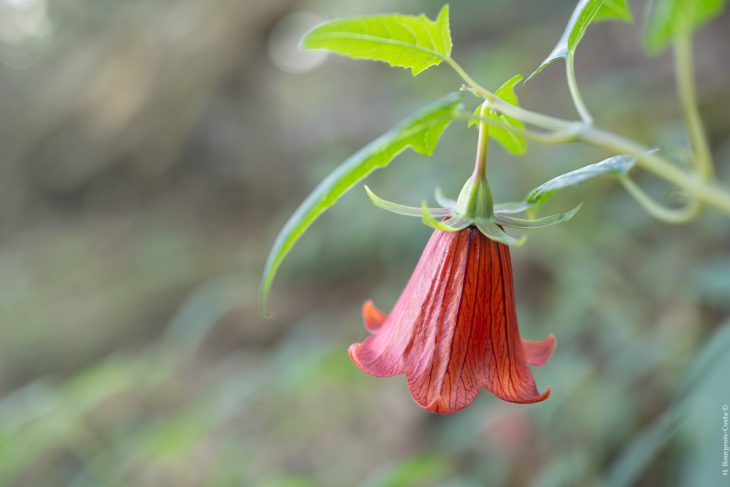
547,62
572,212
370,194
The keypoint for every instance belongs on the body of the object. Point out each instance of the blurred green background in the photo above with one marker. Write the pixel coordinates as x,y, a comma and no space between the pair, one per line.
151,150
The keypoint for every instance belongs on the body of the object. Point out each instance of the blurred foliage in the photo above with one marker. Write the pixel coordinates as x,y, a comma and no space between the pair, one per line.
151,151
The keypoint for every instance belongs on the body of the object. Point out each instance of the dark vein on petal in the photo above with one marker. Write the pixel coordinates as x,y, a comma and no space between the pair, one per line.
473,305
440,317
506,317
491,311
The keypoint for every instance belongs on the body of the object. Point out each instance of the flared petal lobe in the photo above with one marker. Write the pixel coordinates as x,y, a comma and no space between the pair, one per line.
453,331
372,316
537,354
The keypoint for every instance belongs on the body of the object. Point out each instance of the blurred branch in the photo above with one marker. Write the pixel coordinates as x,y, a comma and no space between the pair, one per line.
697,187
684,74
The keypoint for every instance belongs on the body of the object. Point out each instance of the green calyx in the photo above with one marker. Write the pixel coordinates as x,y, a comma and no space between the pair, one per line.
475,202
452,217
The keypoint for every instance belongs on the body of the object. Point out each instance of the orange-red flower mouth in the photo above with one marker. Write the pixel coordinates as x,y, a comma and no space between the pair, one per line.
453,331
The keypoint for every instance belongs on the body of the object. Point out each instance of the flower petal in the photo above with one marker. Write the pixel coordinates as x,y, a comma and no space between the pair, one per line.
387,352
512,380
538,353
372,316
453,330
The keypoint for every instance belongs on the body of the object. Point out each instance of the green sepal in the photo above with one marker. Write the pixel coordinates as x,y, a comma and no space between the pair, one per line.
543,222
442,200
403,210
458,223
429,220
512,207
491,230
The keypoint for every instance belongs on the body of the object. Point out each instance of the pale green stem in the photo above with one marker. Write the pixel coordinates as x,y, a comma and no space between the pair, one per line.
657,210
575,93
480,164
556,137
544,121
696,187
684,74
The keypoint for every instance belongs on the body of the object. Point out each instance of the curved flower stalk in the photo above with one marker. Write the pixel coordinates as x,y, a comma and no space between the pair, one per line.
453,331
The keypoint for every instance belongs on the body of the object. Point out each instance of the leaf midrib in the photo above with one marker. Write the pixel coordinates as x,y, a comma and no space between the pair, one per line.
383,40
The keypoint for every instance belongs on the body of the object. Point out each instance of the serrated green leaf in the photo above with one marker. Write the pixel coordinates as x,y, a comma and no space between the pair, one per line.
511,141
408,41
420,132
675,18
613,166
584,13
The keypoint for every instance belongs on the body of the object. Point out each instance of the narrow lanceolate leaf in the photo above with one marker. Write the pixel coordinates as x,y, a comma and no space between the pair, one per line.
420,132
618,166
408,41
511,141
670,19
586,12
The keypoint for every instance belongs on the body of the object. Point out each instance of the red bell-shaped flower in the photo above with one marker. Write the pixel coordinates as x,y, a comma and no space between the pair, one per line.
454,328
